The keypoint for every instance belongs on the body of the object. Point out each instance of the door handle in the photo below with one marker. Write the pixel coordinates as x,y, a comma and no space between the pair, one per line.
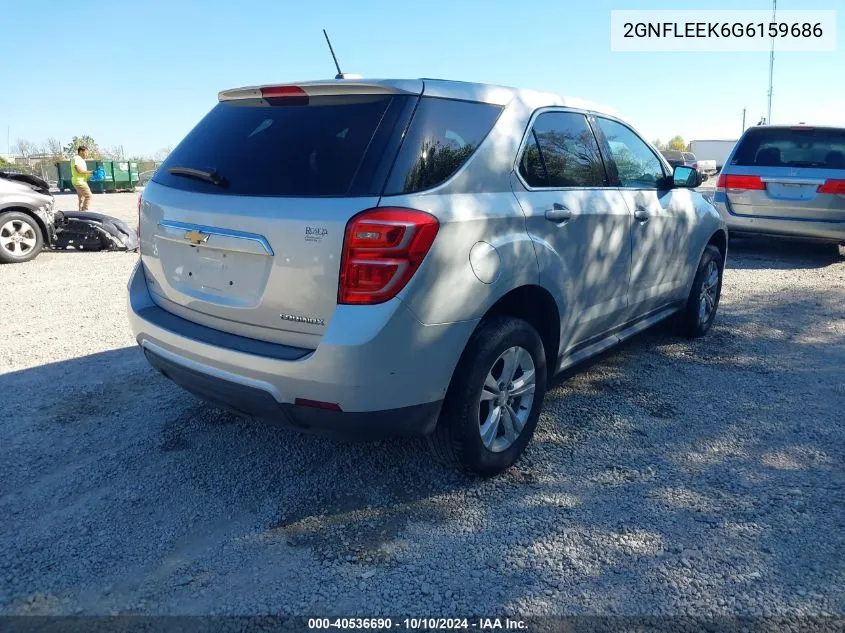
641,214
558,213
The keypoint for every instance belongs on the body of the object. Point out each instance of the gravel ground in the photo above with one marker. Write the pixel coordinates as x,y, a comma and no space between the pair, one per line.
668,477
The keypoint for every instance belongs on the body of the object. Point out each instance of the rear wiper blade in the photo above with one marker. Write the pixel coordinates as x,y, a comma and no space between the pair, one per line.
200,174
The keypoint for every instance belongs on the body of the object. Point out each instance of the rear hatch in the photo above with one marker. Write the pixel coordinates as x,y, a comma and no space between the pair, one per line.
792,173
242,226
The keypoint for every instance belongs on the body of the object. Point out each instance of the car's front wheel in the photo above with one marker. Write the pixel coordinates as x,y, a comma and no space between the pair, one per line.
20,237
494,400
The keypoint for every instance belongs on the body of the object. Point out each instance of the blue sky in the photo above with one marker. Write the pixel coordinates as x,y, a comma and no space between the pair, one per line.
141,74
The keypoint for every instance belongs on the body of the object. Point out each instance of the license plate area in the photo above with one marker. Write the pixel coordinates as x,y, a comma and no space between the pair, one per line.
792,191
208,270
208,275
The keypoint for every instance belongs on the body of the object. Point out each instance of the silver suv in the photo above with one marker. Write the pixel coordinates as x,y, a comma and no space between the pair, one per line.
786,181
414,257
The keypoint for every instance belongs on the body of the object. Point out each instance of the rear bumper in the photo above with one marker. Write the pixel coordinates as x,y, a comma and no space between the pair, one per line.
386,371
738,224
408,421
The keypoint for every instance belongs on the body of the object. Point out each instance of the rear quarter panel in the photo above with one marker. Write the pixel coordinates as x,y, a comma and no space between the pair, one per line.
446,288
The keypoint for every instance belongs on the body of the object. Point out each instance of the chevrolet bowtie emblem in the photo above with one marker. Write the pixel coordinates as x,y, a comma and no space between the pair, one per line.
196,237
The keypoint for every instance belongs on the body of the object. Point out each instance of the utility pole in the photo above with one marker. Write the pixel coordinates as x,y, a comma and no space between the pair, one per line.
771,64
743,121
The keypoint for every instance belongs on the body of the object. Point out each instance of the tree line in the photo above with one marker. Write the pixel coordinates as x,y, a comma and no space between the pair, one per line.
40,159
52,148
676,143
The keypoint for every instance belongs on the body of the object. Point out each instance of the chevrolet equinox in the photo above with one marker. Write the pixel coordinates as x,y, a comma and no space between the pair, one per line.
412,257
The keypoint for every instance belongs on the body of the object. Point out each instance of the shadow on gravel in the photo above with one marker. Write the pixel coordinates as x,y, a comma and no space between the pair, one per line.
665,468
157,462
751,253
714,461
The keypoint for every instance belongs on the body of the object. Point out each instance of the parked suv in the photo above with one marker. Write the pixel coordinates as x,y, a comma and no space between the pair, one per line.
703,167
675,158
786,181
412,257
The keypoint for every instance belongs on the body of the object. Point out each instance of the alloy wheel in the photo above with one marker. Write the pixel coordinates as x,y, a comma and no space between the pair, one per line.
17,238
709,290
506,399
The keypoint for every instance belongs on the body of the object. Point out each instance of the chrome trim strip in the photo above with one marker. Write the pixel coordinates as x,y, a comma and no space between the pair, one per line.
789,180
210,230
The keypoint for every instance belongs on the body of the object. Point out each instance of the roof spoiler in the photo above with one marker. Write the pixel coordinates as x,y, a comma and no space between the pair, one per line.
349,85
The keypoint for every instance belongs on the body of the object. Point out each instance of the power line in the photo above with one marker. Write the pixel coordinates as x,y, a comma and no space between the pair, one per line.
771,63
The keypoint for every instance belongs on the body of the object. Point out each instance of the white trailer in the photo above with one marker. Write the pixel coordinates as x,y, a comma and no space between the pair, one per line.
716,150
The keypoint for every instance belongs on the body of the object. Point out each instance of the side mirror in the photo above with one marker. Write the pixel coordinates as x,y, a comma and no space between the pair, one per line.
686,177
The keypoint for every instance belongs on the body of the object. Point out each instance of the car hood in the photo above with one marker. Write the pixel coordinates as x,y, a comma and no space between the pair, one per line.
17,189
28,181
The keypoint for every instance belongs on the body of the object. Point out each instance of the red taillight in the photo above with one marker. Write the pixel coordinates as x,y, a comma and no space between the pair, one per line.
739,181
285,96
832,186
382,250
283,91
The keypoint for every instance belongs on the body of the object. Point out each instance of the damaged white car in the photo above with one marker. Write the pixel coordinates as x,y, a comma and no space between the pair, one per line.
29,223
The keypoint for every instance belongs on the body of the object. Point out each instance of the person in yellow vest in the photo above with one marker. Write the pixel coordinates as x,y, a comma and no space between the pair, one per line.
79,173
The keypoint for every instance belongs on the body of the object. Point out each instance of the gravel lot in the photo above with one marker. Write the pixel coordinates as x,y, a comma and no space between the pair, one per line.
668,477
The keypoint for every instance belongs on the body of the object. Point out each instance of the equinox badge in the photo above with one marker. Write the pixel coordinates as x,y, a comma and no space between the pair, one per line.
302,319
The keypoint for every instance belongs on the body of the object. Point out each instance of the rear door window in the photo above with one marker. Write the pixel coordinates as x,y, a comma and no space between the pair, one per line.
322,147
636,165
562,152
443,134
822,148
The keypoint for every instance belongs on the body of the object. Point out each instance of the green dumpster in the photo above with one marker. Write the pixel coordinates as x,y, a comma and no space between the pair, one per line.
65,182
99,184
125,175
119,175
134,175
63,178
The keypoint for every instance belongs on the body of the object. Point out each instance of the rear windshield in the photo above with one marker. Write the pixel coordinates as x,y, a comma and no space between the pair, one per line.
328,146
669,155
690,157
822,148
443,135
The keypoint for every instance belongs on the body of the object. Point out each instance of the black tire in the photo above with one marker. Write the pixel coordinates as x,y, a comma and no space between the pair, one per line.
457,439
691,323
28,227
